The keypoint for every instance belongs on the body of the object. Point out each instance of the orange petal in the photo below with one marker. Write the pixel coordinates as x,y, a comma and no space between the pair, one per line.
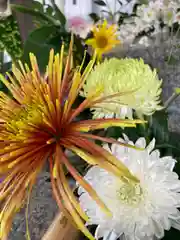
85,185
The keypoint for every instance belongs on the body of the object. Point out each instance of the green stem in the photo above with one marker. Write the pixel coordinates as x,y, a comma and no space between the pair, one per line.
110,11
171,99
166,145
176,35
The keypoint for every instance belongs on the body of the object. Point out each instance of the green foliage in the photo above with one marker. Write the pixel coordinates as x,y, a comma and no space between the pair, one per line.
172,60
50,32
43,14
38,42
10,39
156,127
58,14
41,40
94,17
38,12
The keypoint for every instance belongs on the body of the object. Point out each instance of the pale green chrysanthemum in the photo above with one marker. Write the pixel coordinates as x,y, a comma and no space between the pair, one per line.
136,85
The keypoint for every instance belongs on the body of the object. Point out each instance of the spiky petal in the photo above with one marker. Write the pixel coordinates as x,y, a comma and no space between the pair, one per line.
37,124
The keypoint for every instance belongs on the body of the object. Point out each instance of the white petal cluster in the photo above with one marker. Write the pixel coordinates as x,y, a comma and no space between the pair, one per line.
150,16
134,84
139,211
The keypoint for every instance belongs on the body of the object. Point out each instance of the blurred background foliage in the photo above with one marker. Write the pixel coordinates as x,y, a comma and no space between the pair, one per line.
48,31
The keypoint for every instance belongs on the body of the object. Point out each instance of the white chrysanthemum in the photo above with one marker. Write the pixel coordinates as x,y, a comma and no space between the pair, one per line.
168,16
148,13
136,85
127,33
139,212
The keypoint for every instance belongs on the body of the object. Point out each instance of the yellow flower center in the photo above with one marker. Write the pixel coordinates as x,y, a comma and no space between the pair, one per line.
101,41
22,118
130,193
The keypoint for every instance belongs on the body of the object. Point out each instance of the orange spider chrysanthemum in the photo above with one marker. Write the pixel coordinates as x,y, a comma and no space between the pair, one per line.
37,123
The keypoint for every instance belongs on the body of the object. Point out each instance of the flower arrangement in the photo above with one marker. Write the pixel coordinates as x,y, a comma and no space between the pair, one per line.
143,20
139,211
150,19
39,123
129,188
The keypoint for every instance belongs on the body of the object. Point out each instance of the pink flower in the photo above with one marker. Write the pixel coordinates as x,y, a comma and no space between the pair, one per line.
79,26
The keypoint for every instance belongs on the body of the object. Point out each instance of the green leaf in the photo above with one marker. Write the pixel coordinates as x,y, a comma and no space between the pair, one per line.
10,38
41,40
132,133
58,14
172,60
37,6
38,42
36,13
43,34
168,146
174,140
158,127
49,10
100,3
94,17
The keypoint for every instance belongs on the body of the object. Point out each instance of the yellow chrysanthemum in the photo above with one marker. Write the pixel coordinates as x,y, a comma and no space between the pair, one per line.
38,122
104,38
136,85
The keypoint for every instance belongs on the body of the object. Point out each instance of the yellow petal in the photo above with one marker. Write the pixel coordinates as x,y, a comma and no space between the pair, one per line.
91,42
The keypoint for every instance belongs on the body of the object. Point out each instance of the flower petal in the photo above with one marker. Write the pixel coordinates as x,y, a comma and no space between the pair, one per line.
141,142
101,232
151,146
168,162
